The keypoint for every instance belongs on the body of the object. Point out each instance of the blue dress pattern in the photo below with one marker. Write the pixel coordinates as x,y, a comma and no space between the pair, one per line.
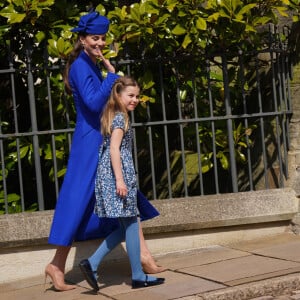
108,203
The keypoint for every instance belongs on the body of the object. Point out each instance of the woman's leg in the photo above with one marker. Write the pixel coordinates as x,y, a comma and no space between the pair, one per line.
148,263
56,269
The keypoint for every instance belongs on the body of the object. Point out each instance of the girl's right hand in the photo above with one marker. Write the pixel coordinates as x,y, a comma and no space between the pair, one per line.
121,188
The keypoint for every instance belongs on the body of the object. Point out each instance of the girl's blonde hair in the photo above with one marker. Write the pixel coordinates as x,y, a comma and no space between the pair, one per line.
114,104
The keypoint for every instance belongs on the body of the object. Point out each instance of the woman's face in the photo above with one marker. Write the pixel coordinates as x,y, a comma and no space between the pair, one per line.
93,44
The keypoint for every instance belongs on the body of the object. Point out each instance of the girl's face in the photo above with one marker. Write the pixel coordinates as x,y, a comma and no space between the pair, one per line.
93,44
130,97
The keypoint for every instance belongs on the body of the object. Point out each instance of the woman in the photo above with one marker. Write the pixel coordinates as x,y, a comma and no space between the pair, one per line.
73,218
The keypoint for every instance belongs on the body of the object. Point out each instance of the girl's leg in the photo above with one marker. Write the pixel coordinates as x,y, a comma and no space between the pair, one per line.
89,266
112,240
56,269
131,226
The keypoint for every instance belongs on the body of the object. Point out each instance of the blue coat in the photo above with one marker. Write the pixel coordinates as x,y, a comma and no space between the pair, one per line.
73,217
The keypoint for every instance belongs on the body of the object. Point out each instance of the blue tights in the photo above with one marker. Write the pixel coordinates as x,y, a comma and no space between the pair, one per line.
128,231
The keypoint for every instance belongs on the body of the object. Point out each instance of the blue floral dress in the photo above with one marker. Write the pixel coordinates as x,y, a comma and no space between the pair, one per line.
108,203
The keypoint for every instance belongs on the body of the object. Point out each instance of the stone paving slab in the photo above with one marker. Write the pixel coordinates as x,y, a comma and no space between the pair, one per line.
201,256
177,285
266,242
245,269
280,251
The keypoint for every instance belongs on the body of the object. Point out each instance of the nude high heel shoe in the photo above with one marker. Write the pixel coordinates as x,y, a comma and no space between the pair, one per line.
57,279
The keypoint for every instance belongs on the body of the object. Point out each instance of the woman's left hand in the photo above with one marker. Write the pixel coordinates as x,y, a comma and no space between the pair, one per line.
108,66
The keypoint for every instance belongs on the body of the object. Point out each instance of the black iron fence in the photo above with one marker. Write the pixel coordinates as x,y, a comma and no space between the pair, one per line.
215,123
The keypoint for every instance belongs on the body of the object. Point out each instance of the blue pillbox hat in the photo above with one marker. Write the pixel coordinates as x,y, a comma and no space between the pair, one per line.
92,23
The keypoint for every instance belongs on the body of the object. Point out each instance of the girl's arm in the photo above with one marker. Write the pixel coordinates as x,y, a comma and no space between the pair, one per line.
115,156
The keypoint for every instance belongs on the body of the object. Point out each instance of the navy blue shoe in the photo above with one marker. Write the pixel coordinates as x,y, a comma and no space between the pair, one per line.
136,284
89,274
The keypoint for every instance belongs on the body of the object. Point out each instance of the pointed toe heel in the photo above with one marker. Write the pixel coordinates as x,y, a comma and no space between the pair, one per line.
136,284
89,274
57,278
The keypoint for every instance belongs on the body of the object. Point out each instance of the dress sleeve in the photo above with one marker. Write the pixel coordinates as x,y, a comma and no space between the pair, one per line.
118,122
93,91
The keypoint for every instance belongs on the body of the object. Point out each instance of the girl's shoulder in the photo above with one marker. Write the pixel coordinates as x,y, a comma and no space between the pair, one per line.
119,115
118,120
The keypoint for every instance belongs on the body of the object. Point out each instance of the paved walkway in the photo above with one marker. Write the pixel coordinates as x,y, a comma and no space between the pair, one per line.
263,269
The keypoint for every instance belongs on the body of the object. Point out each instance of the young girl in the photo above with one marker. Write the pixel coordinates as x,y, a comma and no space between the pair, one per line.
116,186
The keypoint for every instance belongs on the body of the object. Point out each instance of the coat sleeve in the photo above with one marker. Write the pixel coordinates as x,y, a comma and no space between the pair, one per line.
91,89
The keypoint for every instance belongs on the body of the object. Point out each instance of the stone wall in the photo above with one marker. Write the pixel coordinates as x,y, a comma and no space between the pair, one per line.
294,151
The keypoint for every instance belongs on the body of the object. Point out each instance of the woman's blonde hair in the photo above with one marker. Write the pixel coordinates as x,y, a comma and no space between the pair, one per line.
114,104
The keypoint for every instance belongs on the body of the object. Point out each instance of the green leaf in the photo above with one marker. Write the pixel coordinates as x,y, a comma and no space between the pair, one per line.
100,9
246,9
214,17
187,40
13,197
132,35
145,98
13,17
250,28
52,48
206,166
162,19
33,207
242,144
261,20
38,12
60,45
282,11
40,36
24,151
240,156
45,3
171,4
182,95
61,172
147,83
223,160
149,30
135,12
178,30
124,12
201,24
